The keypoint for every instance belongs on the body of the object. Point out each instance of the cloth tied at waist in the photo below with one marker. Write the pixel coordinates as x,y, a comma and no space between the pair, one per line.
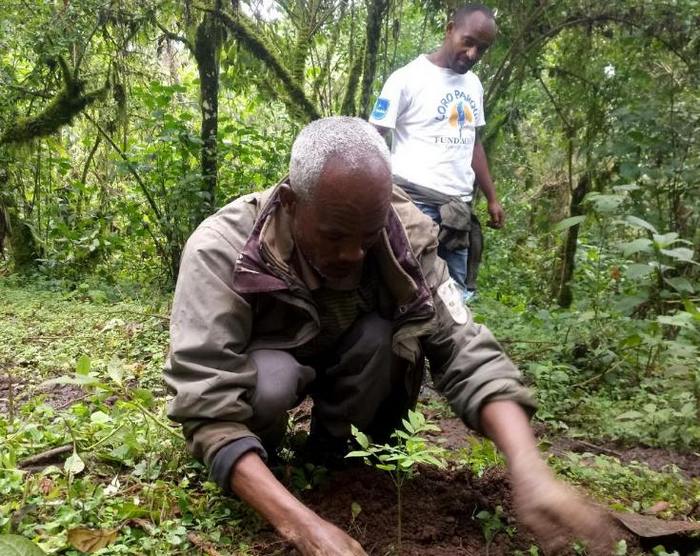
455,213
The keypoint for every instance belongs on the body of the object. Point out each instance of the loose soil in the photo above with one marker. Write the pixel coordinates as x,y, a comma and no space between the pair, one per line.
439,507
18,391
438,513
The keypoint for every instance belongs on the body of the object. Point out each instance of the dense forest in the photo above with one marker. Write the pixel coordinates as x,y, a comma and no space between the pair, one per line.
123,124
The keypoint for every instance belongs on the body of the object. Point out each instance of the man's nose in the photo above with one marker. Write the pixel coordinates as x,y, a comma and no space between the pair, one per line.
352,254
473,53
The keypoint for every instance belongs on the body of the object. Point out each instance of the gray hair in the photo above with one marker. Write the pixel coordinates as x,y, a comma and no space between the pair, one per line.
352,139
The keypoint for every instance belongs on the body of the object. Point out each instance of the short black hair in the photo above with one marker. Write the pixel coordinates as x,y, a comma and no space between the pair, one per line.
464,11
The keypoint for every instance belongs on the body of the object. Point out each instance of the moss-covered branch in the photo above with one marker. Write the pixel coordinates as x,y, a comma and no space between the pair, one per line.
253,42
70,102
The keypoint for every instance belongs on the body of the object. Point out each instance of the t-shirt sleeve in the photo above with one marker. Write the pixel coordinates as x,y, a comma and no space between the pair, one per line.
480,118
389,103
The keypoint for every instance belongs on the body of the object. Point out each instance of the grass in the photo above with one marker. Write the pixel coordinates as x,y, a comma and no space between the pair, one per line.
134,474
129,476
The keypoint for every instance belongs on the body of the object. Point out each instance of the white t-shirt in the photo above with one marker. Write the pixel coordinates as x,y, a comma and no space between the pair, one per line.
434,113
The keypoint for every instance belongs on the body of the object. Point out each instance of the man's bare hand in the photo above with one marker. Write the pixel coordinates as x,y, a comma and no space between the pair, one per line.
497,215
555,513
313,536
321,538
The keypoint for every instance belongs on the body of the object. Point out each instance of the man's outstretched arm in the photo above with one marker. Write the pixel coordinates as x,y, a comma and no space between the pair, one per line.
480,165
553,511
255,484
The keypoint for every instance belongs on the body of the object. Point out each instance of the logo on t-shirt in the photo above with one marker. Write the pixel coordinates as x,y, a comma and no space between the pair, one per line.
381,107
459,108
460,115
460,111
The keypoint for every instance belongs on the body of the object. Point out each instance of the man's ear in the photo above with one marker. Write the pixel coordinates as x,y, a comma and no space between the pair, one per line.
288,198
450,25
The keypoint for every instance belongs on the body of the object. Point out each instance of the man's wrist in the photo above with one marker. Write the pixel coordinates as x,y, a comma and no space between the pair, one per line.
295,524
526,461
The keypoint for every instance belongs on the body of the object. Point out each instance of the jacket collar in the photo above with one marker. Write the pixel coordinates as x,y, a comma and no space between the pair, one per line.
263,264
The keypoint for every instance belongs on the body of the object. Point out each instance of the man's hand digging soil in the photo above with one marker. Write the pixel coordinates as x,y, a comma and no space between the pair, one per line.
254,483
554,513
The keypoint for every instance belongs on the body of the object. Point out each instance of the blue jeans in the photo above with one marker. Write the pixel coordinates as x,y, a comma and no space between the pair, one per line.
456,260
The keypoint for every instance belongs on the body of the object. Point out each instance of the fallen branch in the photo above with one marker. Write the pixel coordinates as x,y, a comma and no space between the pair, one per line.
47,456
600,449
514,341
204,546
71,402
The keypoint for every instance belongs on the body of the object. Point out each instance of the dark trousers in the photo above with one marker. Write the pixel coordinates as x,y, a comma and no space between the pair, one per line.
363,383
476,247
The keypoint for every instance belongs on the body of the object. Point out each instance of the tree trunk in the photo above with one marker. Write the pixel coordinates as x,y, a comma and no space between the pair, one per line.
206,51
376,11
23,244
348,108
565,295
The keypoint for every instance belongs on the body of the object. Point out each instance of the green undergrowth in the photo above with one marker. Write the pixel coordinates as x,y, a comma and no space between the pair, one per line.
632,486
128,478
602,375
85,370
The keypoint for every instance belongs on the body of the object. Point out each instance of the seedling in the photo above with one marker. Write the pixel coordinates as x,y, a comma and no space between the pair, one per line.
399,458
492,524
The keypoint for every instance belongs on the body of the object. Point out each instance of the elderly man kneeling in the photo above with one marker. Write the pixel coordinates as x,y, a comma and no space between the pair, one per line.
328,285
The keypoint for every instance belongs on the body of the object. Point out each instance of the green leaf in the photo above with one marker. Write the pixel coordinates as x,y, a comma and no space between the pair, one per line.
386,467
630,415
604,203
77,380
417,419
568,223
664,240
144,396
99,417
16,545
435,461
355,510
638,270
639,223
360,437
115,370
358,454
681,319
640,244
679,253
74,464
83,365
680,284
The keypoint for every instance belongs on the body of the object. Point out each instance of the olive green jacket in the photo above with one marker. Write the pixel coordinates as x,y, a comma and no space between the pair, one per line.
236,293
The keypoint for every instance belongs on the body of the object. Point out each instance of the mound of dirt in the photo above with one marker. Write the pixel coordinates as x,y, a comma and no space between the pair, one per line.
439,509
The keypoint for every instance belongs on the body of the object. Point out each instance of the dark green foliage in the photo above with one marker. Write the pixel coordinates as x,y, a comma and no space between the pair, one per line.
60,111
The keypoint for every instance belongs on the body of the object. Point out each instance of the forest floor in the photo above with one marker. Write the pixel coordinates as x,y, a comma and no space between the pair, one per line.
89,461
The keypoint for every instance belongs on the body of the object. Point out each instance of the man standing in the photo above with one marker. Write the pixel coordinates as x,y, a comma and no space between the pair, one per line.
328,286
434,106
